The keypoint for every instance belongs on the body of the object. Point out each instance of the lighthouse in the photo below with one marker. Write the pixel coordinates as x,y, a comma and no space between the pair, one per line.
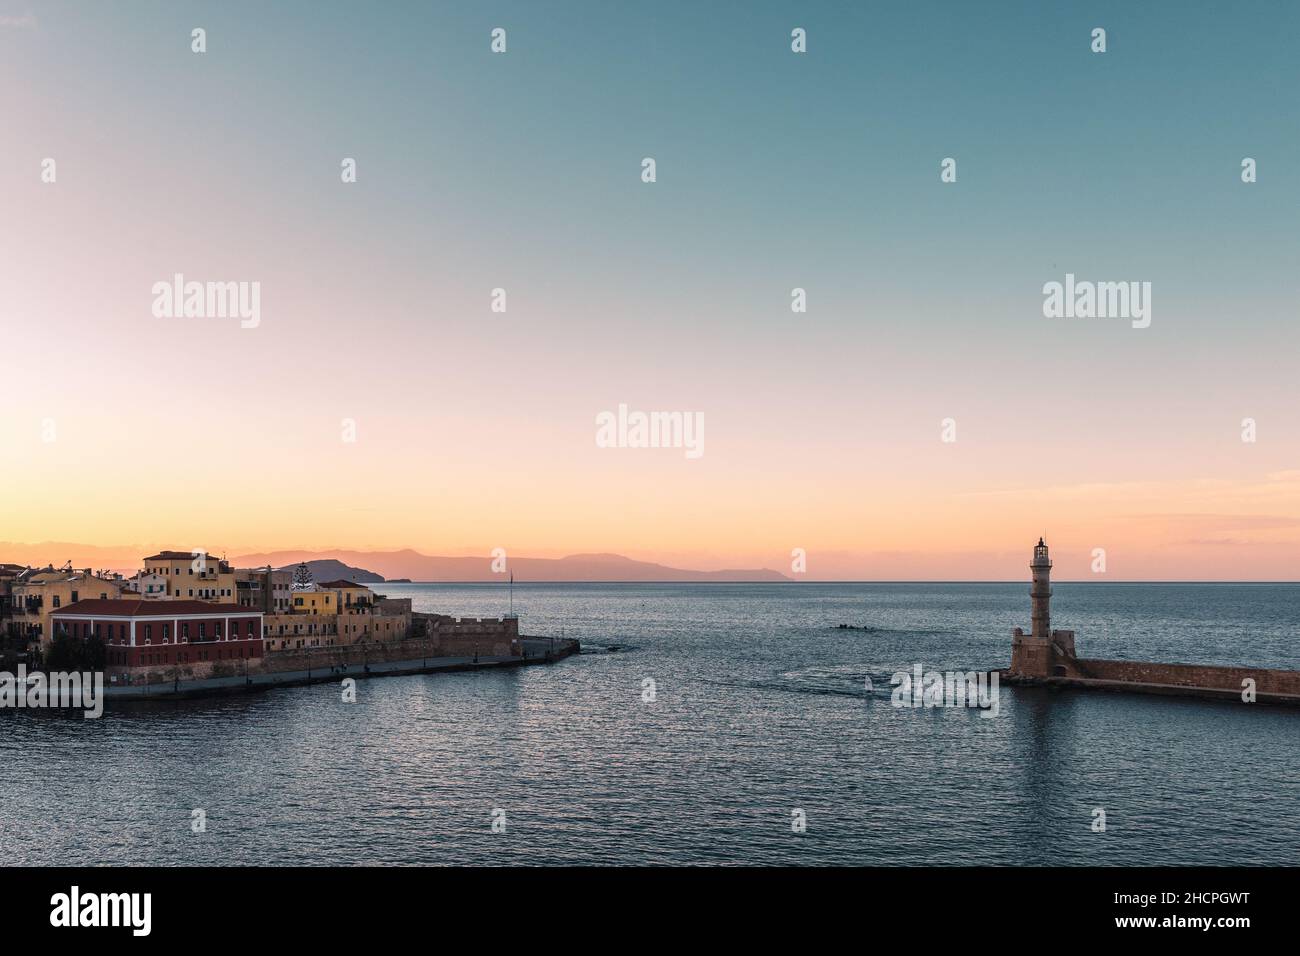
1042,652
1040,592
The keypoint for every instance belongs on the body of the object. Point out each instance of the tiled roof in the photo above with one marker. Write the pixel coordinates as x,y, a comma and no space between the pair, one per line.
135,607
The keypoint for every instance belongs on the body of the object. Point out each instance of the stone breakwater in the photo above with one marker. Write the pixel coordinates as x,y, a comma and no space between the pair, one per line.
333,664
1056,666
1046,656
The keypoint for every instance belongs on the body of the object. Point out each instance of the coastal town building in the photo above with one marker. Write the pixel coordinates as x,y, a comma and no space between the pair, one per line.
380,625
315,602
367,616
138,632
351,597
36,593
8,572
150,585
296,631
194,575
338,613
266,589
12,649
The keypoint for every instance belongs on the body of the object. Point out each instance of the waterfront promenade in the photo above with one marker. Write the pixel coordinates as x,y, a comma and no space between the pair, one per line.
537,650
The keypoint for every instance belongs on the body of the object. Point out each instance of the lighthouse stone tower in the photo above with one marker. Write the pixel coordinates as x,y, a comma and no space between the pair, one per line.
1041,592
1042,652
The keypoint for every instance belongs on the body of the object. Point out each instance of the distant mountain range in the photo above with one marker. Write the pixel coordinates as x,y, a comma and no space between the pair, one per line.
386,565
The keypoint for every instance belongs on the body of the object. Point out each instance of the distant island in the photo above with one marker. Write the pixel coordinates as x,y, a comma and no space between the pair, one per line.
408,565
328,569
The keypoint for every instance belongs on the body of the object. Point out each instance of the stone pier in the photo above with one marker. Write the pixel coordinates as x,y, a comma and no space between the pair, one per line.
1047,657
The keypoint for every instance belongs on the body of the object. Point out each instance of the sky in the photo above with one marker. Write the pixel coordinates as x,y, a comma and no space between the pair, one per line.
775,170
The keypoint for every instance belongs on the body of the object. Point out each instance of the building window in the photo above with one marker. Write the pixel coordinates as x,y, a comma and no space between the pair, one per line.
148,633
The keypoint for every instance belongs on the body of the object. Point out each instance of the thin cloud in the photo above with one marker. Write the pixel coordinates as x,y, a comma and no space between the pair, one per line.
1226,520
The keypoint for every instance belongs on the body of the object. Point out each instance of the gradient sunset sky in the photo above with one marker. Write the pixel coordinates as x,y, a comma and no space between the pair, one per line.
522,170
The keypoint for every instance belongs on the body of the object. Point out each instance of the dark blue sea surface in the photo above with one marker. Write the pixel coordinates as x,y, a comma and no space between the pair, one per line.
760,709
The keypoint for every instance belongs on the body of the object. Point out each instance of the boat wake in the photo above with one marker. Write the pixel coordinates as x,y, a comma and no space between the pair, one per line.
817,681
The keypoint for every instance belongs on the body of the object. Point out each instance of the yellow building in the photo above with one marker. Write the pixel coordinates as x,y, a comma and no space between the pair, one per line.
314,602
350,597
336,613
367,628
312,620
194,575
294,632
37,593
365,616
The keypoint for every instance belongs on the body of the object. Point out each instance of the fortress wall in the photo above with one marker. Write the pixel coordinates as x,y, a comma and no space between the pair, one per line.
349,655
468,645
352,656
465,637
1194,675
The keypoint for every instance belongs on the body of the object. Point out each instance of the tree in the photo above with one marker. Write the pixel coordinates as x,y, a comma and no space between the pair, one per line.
68,654
62,654
95,654
302,579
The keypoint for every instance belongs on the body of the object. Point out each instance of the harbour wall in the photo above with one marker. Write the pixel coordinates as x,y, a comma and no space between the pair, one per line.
1195,677
1053,664
333,664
